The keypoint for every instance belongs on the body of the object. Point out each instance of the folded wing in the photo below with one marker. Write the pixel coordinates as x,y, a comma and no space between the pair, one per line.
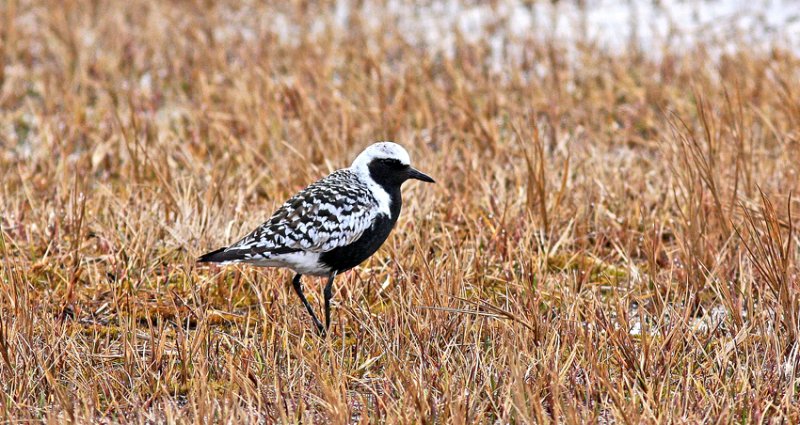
330,213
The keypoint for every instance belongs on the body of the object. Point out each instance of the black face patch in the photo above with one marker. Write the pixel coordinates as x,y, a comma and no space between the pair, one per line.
388,172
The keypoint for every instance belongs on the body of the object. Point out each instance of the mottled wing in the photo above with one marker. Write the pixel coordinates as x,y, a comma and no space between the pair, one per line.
330,213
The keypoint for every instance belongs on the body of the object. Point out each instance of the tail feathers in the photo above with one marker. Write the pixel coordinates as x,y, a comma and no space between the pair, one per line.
228,255
219,256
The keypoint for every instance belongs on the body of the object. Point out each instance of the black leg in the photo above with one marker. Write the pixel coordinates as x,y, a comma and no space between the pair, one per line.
298,287
328,296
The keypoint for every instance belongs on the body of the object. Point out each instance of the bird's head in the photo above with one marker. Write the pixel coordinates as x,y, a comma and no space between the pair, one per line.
387,164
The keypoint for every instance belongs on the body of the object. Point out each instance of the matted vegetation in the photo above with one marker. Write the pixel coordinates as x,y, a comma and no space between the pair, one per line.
611,238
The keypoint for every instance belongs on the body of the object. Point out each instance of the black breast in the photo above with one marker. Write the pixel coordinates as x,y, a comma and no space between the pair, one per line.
346,257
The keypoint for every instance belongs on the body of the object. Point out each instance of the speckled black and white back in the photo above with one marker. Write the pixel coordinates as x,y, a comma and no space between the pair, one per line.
330,213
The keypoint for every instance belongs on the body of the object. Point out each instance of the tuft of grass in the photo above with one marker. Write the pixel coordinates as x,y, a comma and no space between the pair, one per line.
611,239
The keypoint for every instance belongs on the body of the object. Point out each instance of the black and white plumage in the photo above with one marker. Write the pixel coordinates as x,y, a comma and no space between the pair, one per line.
332,225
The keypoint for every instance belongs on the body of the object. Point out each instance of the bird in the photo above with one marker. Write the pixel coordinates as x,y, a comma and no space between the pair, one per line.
332,225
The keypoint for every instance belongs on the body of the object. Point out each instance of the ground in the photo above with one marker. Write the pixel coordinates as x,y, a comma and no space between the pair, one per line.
611,238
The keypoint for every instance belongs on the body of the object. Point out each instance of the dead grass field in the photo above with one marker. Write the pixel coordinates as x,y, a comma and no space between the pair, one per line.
612,238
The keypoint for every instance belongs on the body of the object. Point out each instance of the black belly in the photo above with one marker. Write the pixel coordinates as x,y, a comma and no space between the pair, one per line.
346,257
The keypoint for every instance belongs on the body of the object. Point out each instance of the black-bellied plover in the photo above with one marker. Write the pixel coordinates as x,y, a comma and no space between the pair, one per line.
332,225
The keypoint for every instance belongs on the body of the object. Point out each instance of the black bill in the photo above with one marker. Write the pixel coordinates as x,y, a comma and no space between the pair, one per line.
416,174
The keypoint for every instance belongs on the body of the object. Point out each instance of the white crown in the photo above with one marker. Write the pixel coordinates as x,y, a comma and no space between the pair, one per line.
380,150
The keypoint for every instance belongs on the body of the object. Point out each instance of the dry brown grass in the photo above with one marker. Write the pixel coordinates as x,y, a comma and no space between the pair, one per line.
610,239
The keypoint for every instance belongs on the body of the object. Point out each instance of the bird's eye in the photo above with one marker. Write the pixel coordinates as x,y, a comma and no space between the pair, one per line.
391,162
